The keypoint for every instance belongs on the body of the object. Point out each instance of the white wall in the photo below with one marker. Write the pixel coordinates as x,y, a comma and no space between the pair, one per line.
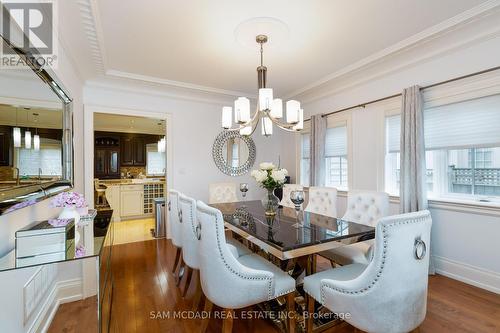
464,241
194,127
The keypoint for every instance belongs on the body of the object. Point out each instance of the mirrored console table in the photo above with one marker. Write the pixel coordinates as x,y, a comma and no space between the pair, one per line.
97,235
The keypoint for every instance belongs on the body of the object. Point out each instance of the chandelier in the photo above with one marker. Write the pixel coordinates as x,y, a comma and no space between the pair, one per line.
268,109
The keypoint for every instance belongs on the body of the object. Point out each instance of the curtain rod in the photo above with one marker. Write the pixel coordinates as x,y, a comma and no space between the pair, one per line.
362,105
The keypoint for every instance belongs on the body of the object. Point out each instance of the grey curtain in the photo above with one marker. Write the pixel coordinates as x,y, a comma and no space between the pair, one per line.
413,190
317,160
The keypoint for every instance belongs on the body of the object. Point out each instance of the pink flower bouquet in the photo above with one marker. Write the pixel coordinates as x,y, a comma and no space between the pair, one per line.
69,199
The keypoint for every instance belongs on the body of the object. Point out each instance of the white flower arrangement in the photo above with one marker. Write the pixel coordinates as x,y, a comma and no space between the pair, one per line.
269,176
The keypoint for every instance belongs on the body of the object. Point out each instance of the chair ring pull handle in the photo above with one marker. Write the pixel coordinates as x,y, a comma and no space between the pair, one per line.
420,249
198,231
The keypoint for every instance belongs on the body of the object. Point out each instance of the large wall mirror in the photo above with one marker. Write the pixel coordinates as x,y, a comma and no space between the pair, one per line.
36,158
234,154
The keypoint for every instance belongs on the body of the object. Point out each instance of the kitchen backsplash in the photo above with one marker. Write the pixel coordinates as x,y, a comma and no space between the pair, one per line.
134,171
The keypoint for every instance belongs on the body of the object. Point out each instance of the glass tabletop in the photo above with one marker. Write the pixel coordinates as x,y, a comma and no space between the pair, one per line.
281,231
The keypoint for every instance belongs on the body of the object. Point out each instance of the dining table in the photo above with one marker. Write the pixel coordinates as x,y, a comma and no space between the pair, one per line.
290,234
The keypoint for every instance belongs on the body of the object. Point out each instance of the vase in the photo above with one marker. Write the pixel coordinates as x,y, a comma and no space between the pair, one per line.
71,213
83,211
270,203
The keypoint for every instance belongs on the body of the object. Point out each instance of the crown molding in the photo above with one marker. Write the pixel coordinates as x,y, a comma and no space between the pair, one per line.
378,72
148,89
175,84
406,44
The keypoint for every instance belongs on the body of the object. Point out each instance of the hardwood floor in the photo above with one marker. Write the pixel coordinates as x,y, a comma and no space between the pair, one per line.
76,317
138,230
145,291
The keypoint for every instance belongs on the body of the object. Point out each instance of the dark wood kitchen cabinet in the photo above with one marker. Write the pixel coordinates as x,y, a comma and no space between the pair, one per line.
107,157
5,149
133,150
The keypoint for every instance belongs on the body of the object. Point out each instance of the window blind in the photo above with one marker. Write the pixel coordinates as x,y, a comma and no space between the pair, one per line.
306,145
393,131
336,141
472,123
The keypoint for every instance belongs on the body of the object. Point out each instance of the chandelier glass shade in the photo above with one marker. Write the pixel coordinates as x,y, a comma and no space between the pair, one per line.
268,109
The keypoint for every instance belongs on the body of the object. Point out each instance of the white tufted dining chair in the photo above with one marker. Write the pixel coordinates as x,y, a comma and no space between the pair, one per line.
190,244
323,201
176,229
287,189
364,207
231,282
222,192
187,217
389,295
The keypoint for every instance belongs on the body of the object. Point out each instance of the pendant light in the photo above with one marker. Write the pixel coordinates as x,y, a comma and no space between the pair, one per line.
16,133
36,142
27,139
36,137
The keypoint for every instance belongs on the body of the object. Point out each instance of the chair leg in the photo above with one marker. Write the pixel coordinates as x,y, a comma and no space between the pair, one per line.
310,312
180,275
207,309
227,322
177,257
188,280
198,293
290,308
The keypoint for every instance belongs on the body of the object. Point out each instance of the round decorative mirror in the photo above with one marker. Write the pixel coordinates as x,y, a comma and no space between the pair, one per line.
234,154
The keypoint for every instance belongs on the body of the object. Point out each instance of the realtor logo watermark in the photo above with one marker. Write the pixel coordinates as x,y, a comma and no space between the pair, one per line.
31,27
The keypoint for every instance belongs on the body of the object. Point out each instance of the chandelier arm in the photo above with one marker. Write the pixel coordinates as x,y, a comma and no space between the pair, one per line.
287,127
254,126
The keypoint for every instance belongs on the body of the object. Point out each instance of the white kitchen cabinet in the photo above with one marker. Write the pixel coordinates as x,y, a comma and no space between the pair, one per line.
131,200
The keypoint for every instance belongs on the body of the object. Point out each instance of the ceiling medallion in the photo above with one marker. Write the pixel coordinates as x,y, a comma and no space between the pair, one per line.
268,109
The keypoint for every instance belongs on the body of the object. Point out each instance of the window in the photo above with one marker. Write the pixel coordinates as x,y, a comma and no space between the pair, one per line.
47,161
336,157
155,164
462,150
305,153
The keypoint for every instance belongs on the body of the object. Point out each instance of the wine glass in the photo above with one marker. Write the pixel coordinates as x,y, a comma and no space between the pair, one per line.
297,197
244,190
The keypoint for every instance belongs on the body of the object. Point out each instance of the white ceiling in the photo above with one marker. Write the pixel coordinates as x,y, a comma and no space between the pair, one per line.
194,43
30,117
128,124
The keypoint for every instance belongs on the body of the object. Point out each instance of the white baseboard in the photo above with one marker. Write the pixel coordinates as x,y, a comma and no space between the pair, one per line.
63,292
469,274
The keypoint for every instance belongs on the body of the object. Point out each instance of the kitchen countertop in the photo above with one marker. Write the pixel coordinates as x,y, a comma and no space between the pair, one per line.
131,181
